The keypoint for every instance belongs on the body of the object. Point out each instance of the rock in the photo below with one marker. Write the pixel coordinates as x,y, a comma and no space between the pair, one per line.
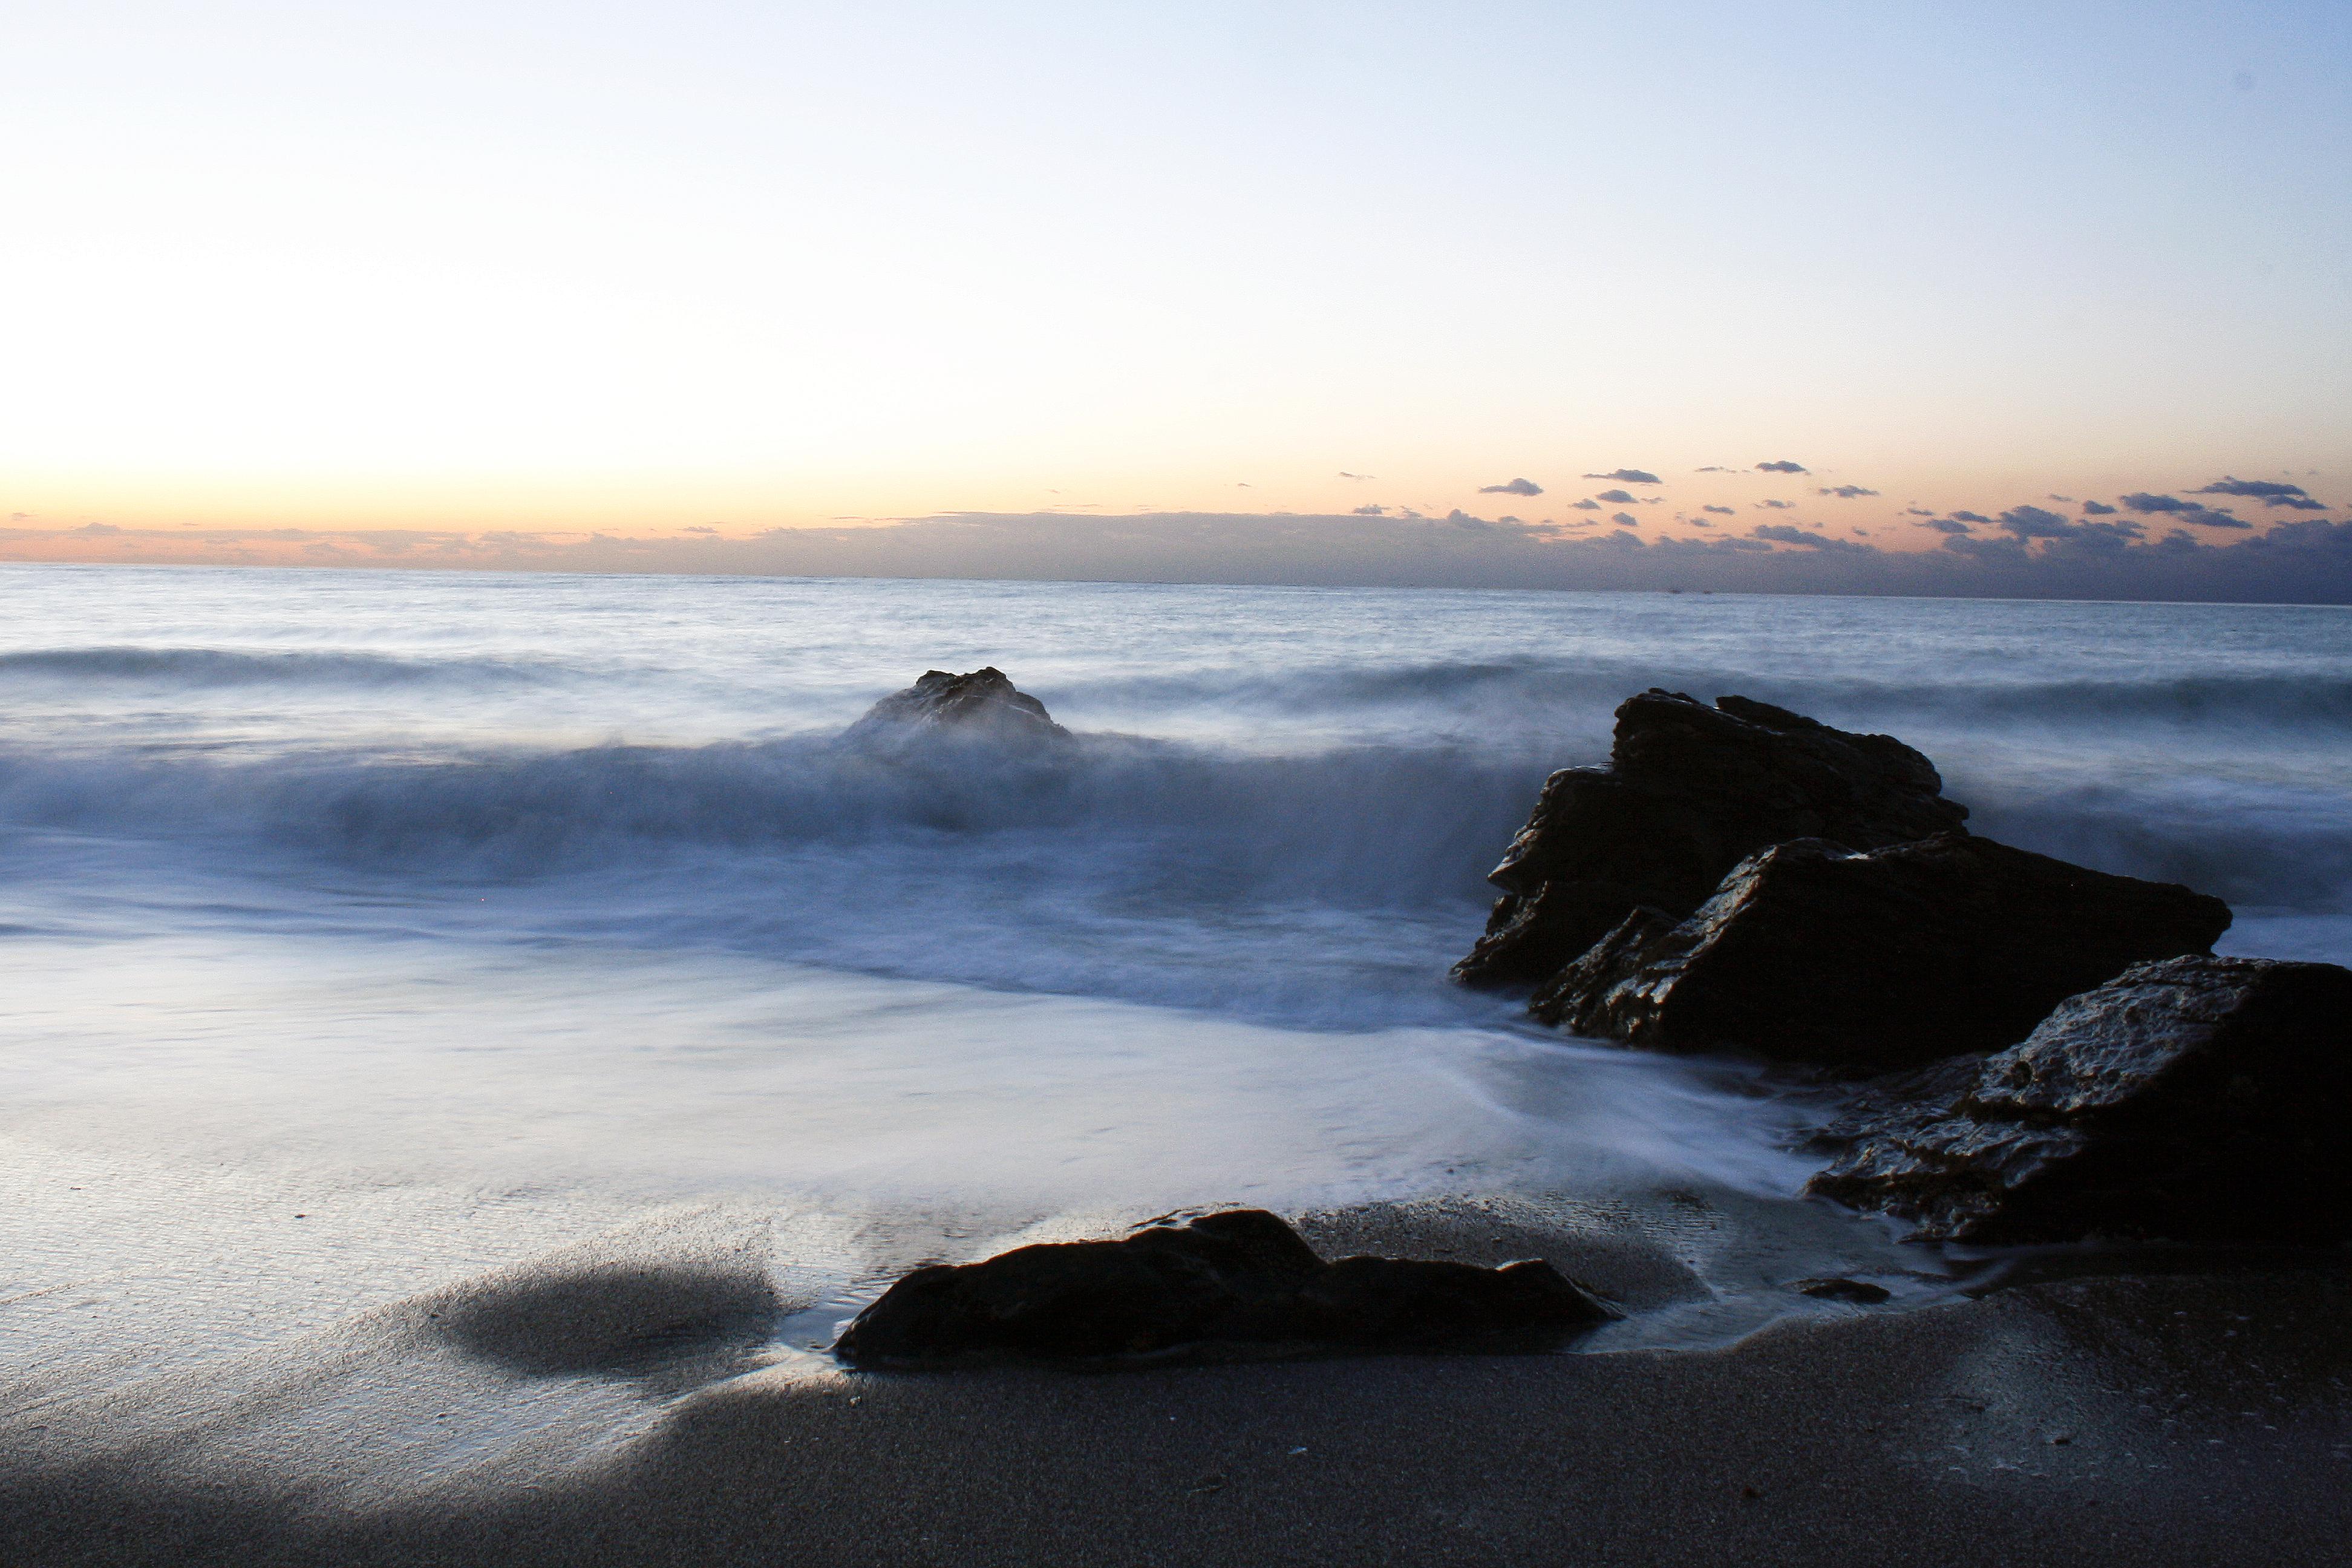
1811,952
1232,1278
982,703
1689,792
2193,1100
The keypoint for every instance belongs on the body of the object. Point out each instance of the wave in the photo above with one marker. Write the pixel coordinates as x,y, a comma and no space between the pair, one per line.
1378,824
1588,690
1322,890
1555,697
1365,825
2258,847
211,666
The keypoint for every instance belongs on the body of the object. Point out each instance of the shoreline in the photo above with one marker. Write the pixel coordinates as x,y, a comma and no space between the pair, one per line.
2105,1418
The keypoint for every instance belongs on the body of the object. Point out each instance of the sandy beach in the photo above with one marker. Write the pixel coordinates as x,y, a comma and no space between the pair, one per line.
622,1400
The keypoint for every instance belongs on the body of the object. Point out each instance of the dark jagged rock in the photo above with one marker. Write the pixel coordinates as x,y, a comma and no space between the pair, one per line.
1689,792
982,703
2192,1099
1811,952
1231,1278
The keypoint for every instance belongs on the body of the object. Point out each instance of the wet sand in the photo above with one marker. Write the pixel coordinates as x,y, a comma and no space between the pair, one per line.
622,1402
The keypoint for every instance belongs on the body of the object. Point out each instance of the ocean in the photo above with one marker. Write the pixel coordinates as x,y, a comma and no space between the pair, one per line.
365,930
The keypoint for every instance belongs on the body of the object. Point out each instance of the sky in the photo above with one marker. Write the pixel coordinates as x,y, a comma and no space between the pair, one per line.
1322,291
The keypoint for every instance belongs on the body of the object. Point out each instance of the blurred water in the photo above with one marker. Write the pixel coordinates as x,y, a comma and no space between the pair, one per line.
541,879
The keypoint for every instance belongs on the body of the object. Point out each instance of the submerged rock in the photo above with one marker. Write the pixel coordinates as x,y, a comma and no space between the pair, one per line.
1689,792
2197,1099
983,702
1232,1278
1809,951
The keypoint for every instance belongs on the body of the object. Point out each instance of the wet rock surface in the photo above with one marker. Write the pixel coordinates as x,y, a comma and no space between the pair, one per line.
1688,793
982,702
1811,952
1235,1278
2194,1100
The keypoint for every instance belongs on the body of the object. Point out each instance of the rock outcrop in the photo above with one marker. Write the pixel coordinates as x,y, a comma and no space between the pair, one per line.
1233,1277
983,704
1811,952
1689,792
2192,1099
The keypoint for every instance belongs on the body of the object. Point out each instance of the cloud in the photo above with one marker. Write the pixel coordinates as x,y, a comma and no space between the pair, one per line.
1717,468
1777,505
1619,498
1782,467
1370,510
2000,551
1969,517
1917,511
1944,525
20,517
698,528
2186,511
1849,492
1346,475
2301,561
2267,491
2028,524
1588,504
1624,520
1515,488
2056,496
1629,476
1781,532
2097,509
2140,501
2035,522
1722,510
98,529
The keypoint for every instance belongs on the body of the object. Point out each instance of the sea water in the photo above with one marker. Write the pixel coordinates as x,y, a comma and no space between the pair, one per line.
481,907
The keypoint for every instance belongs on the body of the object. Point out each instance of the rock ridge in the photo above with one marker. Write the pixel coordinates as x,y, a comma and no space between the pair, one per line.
1688,793
2197,1099
1809,951
1189,1284
980,703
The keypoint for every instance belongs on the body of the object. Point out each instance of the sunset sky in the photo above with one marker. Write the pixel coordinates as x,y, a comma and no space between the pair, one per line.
290,277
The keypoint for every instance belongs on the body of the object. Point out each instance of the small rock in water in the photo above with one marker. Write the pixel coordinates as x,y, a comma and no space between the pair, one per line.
1811,952
983,702
1232,1277
1689,791
2197,1099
